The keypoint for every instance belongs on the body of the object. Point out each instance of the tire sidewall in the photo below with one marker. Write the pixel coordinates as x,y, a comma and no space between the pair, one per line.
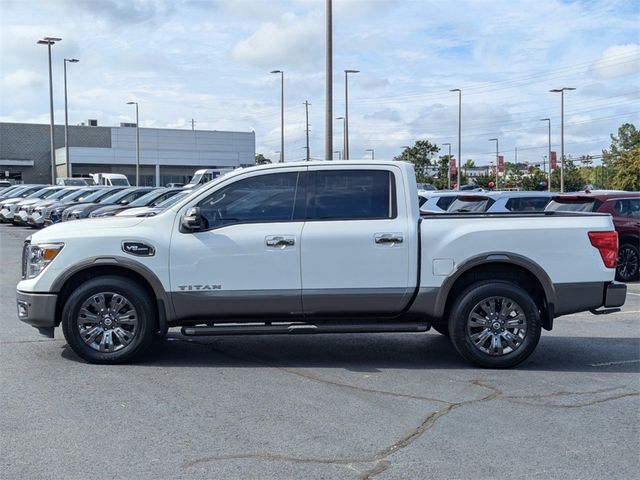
467,301
637,255
130,290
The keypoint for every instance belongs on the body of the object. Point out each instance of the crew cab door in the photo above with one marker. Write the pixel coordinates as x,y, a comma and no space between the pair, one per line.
357,244
245,260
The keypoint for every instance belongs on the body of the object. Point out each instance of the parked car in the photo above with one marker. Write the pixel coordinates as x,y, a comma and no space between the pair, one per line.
624,207
439,202
316,247
426,187
20,209
174,185
151,211
9,191
7,205
5,184
71,182
110,179
122,197
151,199
501,202
53,212
36,212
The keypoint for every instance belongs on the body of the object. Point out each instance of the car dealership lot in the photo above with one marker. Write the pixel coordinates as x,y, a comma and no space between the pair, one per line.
330,406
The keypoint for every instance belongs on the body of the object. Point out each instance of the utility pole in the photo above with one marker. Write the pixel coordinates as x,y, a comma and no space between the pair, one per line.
561,92
193,125
306,109
66,117
328,108
459,132
346,111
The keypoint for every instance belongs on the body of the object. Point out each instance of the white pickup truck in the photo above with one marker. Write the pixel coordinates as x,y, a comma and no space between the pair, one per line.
317,247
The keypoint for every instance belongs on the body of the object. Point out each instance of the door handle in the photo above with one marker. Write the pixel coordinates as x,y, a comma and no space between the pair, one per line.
388,238
280,242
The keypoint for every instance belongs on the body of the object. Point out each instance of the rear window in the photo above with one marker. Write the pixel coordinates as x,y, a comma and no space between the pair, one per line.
119,182
470,204
627,208
352,195
527,204
573,205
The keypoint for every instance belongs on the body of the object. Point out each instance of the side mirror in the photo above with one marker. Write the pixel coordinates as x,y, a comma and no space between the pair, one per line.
124,202
192,220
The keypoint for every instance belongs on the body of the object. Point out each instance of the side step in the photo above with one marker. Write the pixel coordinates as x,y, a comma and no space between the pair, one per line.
304,328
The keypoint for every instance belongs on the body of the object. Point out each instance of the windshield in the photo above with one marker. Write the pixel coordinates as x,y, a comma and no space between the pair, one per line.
78,194
172,200
148,198
126,195
61,193
570,205
119,182
44,193
74,182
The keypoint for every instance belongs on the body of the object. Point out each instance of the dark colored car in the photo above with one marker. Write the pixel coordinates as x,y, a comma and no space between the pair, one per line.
53,212
150,199
123,197
624,207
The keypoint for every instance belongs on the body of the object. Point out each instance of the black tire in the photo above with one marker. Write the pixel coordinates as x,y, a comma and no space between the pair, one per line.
143,312
461,327
441,327
628,263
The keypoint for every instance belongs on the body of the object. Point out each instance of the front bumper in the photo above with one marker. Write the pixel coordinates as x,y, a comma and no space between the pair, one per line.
6,215
36,219
37,309
21,217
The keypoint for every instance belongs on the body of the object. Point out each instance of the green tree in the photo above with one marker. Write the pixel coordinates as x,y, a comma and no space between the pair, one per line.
420,155
261,159
628,138
627,175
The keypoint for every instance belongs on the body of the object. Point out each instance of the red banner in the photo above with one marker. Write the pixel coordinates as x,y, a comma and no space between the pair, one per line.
500,163
554,161
453,169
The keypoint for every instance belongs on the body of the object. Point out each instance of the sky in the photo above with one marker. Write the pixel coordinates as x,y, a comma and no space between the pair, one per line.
209,60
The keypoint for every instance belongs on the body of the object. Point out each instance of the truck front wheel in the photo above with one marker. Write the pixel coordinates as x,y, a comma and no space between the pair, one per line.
109,320
495,324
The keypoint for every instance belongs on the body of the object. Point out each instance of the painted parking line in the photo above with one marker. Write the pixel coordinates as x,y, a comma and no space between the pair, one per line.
622,362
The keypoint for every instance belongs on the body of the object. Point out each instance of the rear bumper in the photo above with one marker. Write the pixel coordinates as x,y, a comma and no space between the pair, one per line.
615,294
37,309
585,296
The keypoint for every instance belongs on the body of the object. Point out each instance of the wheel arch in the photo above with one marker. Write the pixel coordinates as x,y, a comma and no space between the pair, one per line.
74,276
500,266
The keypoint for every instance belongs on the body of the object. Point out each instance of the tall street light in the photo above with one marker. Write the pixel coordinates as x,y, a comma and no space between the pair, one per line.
281,113
137,144
561,92
448,166
328,108
66,115
459,133
48,41
497,162
373,153
346,112
549,153
344,137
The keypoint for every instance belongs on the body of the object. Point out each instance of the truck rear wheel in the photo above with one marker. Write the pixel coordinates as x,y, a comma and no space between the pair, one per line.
109,320
495,324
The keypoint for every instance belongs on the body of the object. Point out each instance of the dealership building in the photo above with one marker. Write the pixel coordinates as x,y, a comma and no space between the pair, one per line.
167,155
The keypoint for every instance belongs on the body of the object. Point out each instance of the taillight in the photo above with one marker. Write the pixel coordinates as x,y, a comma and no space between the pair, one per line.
607,245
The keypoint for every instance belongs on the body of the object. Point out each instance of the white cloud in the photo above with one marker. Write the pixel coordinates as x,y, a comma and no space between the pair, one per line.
20,79
618,61
292,41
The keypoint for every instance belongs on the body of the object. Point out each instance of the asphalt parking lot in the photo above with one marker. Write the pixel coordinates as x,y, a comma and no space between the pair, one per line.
332,406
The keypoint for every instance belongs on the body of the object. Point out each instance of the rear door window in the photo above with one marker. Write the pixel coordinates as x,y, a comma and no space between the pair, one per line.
527,204
445,202
464,204
352,195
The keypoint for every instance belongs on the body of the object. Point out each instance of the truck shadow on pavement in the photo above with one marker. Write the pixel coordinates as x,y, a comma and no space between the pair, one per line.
373,353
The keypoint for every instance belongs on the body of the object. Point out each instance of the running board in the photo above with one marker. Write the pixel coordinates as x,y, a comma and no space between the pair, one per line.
304,328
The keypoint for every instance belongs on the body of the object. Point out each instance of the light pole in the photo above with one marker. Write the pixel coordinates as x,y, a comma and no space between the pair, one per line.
344,137
281,113
497,162
448,166
137,144
373,153
561,92
48,41
459,133
548,120
339,154
328,108
346,112
306,109
66,116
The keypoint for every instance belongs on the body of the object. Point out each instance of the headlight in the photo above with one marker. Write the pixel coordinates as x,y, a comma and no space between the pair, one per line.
59,210
38,257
